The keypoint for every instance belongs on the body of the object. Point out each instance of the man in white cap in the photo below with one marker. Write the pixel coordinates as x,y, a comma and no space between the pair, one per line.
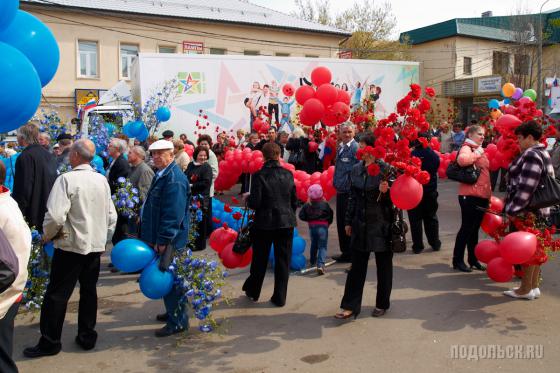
165,226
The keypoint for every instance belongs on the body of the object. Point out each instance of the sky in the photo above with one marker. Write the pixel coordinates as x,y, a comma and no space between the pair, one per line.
413,14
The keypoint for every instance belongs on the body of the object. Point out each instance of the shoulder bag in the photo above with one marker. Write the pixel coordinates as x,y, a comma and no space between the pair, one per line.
243,241
398,232
466,175
548,191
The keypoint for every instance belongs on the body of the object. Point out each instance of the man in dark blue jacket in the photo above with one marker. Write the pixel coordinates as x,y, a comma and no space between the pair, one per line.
345,160
426,211
165,226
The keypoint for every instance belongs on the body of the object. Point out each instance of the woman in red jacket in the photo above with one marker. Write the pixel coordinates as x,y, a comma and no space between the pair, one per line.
473,199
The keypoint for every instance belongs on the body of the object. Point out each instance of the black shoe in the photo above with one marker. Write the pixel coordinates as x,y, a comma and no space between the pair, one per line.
436,247
110,265
166,331
417,251
163,317
35,351
378,312
83,345
254,299
342,258
276,303
478,266
462,267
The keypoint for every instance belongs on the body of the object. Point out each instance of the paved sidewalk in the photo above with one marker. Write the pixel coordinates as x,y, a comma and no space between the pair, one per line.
435,312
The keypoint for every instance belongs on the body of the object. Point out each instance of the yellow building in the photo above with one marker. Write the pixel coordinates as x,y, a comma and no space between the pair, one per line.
99,39
468,60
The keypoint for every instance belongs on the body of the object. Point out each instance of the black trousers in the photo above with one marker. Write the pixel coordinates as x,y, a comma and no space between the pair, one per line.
209,228
425,213
66,269
343,239
471,216
7,364
121,230
262,243
354,288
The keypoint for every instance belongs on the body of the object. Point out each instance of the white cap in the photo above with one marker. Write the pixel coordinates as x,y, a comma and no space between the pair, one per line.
161,145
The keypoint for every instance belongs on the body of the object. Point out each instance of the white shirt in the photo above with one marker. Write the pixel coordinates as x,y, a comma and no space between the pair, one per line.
342,145
80,204
213,162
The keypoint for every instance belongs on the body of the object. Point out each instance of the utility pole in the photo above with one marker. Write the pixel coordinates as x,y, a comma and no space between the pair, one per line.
539,61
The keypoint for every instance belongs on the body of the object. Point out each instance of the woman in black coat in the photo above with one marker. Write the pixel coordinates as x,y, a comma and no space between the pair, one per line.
273,197
301,157
368,221
199,174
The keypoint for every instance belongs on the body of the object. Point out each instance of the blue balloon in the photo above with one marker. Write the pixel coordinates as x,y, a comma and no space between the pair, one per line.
8,10
20,90
163,114
298,262
296,232
507,101
134,128
494,104
298,246
143,135
131,255
154,283
110,129
49,249
34,39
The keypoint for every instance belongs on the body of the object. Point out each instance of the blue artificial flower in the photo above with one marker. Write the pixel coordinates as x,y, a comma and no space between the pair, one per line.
205,328
213,265
196,302
136,199
225,274
134,191
190,293
130,204
218,293
195,262
121,179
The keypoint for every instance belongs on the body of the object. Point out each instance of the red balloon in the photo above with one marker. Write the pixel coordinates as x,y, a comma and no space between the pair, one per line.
491,149
518,247
499,270
320,75
508,122
305,119
406,192
327,94
491,222
314,110
304,93
341,111
343,96
247,257
496,204
442,173
288,89
229,258
453,156
313,146
486,250
329,118
221,237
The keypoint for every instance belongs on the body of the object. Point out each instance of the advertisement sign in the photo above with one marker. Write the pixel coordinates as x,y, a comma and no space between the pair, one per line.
193,47
345,55
490,84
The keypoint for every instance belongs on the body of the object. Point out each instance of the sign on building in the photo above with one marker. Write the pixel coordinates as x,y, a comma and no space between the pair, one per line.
83,96
491,84
193,47
345,55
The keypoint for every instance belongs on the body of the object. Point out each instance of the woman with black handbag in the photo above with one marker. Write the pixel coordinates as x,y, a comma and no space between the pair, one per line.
531,188
199,174
473,199
369,219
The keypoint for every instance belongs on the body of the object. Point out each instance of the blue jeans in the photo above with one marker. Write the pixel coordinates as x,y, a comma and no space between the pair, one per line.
176,311
319,237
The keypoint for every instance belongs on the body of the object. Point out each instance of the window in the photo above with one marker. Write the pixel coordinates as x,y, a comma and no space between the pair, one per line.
129,52
166,49
217,51
280,54
251,53
500,63
87,59
311,56
521,64
467,65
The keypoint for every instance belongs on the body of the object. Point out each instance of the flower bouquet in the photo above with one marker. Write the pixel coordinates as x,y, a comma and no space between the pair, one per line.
126,199
38,274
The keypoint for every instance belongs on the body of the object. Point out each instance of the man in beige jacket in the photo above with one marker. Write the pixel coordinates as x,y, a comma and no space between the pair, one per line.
18,234
81,219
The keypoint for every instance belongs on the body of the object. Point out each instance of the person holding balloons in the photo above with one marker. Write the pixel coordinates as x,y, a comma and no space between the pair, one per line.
525,175
473,199
80,219
368,222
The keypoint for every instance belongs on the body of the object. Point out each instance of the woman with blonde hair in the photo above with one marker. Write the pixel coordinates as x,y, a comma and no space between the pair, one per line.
181,157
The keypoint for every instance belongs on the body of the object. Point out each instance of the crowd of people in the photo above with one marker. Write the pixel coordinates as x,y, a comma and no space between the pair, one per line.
59,193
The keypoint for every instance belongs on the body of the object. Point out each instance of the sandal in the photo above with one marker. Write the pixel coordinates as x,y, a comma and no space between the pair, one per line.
345,314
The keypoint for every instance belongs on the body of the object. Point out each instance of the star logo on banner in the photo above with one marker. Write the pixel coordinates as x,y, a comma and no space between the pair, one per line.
189,83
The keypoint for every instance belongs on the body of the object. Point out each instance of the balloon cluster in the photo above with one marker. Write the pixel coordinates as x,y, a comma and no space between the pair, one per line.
326,103
136,129
30,58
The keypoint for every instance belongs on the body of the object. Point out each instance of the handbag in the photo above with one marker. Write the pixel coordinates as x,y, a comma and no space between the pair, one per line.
296,157
398,232
548,191
243,241
465,175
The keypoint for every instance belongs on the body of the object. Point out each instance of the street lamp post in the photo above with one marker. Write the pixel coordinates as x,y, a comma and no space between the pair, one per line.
539,58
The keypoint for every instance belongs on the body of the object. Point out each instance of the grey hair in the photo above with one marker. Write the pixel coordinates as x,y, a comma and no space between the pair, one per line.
120,145
29,133
349,125
84,149
139,151
298,132
45,135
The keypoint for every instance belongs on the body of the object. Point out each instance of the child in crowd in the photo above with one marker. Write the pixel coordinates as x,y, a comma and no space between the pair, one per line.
319,215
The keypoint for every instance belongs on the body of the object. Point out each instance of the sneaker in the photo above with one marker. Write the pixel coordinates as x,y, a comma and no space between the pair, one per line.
511,293
321,270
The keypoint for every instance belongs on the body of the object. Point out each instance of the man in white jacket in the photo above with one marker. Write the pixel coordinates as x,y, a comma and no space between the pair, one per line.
18,234
80,219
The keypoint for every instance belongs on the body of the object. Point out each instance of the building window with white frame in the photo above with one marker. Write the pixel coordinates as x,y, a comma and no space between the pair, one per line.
87,59
129,52
167,49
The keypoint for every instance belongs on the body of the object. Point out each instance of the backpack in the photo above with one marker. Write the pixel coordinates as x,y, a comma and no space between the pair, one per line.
9,264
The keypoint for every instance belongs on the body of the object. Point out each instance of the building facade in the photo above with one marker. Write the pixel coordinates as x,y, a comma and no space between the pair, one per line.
99,39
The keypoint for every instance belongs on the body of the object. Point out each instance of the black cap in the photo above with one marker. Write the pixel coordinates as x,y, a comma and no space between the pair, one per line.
64,136
167,133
